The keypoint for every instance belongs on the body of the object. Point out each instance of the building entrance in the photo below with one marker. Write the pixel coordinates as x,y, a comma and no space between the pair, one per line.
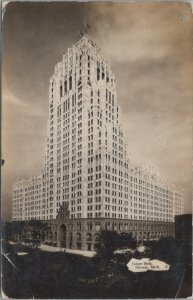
89,247
63,235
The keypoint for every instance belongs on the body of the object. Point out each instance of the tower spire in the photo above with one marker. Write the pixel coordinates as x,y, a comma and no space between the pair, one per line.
84,30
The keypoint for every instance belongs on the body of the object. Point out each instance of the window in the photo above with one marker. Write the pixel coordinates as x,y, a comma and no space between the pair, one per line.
98,73
65,86
70,82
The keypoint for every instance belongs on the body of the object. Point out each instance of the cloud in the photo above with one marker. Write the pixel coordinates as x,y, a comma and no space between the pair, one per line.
26,108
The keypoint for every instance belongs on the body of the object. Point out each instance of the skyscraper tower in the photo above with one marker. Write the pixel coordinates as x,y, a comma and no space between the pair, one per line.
86,162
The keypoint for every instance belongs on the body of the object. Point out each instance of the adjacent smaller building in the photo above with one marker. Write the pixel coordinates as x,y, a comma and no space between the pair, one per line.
151,197
27,199
178,197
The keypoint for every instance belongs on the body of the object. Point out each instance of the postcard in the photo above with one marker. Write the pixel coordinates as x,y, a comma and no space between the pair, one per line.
96,153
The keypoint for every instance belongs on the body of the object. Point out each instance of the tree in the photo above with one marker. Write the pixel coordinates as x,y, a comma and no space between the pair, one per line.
6,230
37,229
108,263
109,241
127,240
17,228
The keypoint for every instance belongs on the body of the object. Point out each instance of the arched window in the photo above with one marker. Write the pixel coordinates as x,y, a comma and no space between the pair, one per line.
96,237
89,237
78,235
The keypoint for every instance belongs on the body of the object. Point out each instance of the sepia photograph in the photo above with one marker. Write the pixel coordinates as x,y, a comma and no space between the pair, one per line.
96,150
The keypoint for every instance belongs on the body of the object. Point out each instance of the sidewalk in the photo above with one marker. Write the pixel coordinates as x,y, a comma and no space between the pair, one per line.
72,251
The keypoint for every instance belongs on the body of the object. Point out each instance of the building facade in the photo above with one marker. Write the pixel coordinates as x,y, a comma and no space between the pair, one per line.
151,197
84,233
86,161
178,198
27,199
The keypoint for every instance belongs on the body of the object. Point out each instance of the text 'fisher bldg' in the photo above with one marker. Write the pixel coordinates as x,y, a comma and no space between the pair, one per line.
86,161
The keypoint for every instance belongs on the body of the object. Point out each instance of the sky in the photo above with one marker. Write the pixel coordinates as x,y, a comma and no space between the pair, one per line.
149,46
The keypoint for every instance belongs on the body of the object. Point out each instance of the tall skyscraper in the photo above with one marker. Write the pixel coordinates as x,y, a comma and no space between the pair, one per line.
86,158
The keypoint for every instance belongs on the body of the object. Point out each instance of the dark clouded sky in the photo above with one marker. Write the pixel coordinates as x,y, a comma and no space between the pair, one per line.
149,47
